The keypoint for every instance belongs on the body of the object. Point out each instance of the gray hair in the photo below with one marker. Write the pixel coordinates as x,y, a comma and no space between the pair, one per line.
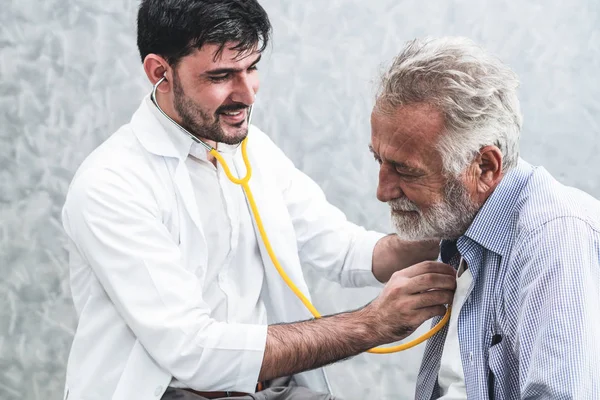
476,93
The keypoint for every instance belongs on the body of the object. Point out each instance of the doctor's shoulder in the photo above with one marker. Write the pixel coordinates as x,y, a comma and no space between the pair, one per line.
119,164
263,145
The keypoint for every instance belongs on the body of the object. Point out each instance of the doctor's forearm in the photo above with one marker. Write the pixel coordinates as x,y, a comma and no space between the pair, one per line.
392,254
301,346
403,305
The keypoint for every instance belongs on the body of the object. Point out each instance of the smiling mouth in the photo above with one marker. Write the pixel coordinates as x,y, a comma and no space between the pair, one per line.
234,117
232,113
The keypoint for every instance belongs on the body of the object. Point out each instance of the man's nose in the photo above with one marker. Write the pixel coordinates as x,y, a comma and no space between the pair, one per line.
388,187
245,90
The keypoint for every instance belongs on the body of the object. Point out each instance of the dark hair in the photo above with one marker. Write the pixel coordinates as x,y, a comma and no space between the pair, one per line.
175,28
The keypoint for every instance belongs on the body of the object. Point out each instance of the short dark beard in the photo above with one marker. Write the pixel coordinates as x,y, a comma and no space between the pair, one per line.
197,121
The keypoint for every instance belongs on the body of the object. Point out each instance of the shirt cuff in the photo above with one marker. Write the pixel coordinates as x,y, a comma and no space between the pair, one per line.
361,266
252,358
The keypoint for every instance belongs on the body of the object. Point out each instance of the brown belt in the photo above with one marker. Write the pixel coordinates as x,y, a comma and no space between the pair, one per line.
217,395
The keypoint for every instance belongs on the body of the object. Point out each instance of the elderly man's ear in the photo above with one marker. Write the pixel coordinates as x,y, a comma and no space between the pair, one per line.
488,167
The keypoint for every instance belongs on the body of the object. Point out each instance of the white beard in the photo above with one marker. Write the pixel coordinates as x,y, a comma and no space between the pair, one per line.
448,219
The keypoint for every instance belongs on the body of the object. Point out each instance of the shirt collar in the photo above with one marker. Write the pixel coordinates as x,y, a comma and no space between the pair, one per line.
492,227
184,144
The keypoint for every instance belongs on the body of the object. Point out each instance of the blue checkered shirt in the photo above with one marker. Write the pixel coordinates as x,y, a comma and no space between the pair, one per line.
530,327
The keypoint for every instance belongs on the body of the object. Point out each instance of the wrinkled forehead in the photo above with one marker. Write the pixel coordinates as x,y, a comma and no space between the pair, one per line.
414,123
407,133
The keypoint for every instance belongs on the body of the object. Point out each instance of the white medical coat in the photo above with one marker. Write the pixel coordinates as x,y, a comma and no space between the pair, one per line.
138,255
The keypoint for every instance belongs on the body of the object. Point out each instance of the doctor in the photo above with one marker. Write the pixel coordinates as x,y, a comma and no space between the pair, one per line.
176,296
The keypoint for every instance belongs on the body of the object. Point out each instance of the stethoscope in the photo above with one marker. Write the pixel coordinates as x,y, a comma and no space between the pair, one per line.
243,182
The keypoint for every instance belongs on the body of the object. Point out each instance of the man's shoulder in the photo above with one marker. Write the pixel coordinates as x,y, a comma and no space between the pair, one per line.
264,150
121,154
259,139
545,201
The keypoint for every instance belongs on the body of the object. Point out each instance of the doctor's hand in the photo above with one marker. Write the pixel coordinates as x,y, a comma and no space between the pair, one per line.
392,254
411,297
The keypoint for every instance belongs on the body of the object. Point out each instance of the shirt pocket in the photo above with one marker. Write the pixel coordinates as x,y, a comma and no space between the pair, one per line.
497,361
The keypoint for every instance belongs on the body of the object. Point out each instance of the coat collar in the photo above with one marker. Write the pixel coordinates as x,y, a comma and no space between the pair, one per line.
160,136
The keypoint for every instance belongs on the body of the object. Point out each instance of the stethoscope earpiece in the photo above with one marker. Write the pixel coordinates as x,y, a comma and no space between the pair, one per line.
181,128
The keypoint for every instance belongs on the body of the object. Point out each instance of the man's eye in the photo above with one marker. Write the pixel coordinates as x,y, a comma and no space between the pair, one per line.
218,78
253,68
404,175
377,159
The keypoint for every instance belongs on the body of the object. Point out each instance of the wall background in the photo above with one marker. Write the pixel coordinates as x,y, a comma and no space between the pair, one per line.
69,76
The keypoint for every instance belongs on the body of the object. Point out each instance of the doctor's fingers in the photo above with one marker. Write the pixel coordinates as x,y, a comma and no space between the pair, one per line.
427,313
432,281
426,267
432,298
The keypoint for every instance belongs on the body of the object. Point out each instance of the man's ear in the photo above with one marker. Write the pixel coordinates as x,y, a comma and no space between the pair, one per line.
155,68
490,169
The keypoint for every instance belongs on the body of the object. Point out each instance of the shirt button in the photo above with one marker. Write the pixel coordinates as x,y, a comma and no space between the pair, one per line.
158,391
471,358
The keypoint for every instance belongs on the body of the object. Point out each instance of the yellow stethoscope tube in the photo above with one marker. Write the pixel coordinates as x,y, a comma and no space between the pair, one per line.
244,183
246,187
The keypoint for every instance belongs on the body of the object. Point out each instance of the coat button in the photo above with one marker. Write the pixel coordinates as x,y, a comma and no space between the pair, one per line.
158,391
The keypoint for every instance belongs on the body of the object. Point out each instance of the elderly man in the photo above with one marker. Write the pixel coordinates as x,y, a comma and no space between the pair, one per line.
525,323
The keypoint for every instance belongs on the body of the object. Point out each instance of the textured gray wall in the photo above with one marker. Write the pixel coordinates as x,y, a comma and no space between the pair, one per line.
69,76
